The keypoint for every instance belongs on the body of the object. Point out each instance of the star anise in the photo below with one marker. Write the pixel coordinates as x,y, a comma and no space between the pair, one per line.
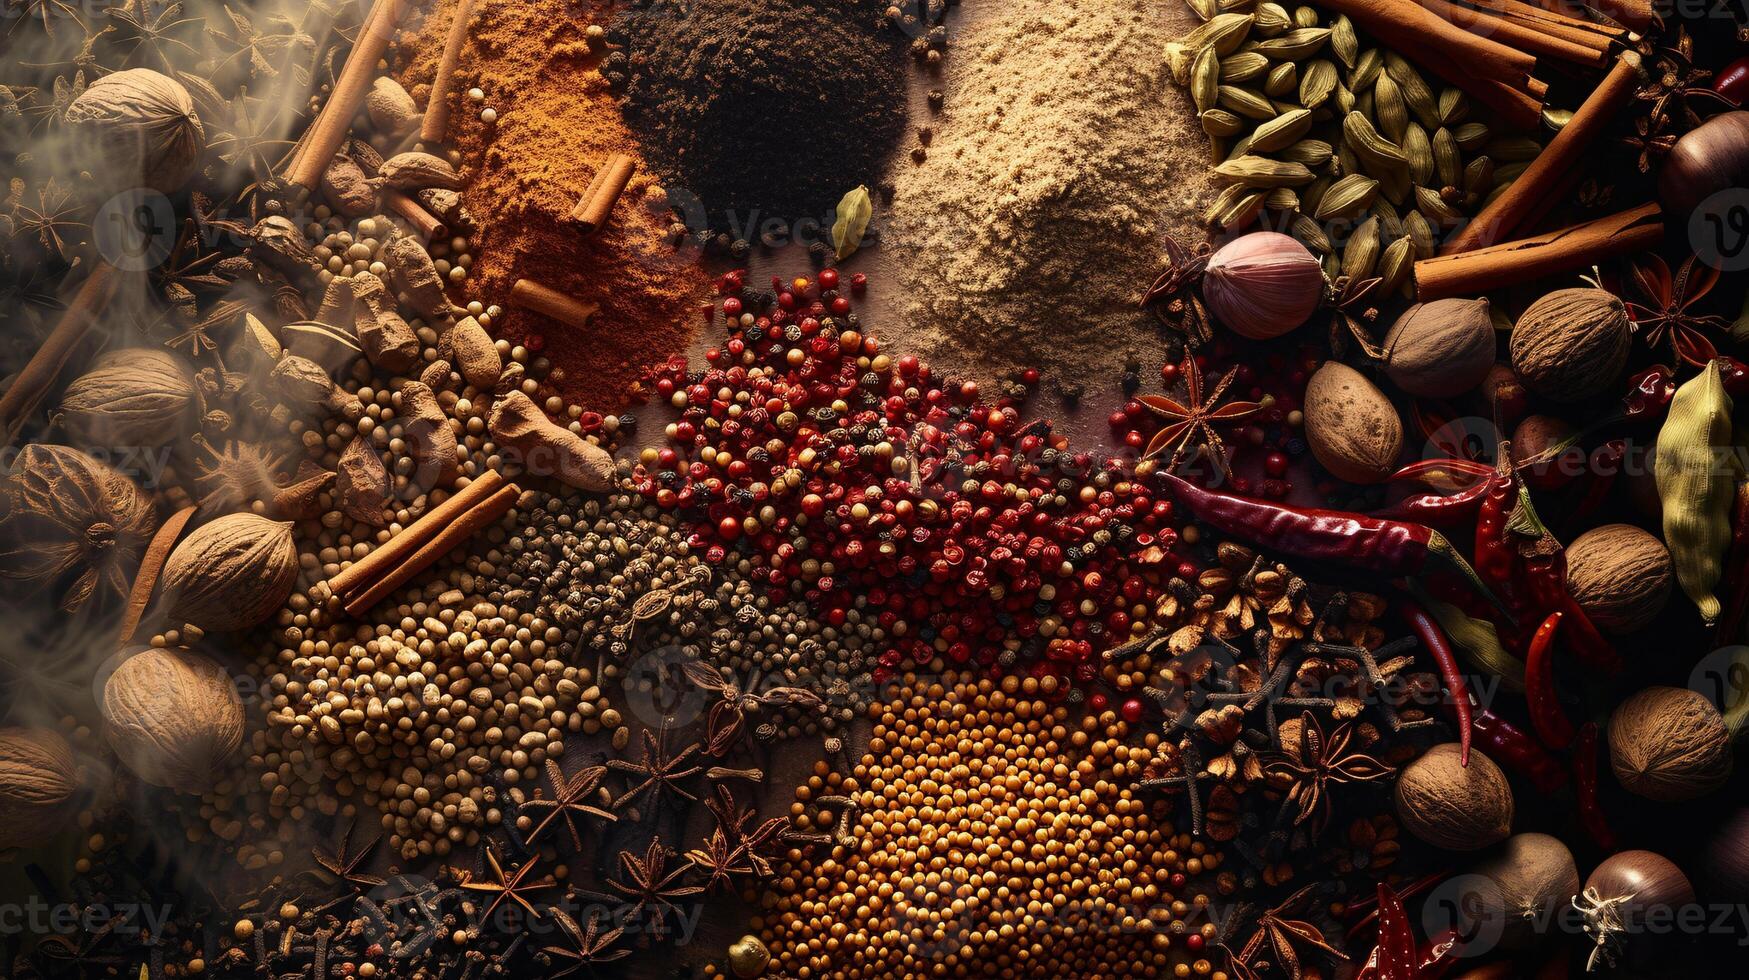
260,53
570,800
731,849
46,11
727,720
54,214
1673,89
345,864
514,886
585,945
1665,314
51,111
652,886
1173,297
1277,940
1352,310
148,30
1192,421
657,772
1309,767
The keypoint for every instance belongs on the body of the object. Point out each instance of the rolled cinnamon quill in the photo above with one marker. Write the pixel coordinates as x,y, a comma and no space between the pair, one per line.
452,536
427,224
550,302
32,383
436,122
399,548
332,123
1552,174
596,204
1511,263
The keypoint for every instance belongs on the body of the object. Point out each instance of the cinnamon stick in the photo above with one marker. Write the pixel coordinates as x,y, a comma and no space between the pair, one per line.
1579,29
151,567
1494,74
335,119
436,123
1511,263
414,213
1545,40
597,202
452,536
378,563
27,390
1552,174
550,302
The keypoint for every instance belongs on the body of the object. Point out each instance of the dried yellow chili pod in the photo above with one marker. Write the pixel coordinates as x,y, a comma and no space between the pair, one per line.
1696,470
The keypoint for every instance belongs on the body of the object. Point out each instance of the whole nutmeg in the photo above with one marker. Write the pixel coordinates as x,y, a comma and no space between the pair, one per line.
1572,344
1620,575
1351,427
38,778
142,125
1706,160
232,572
132,397
748,957
1440,349
1522,882
173,718
390,108
1669,744
1262,285
1457,807
1549,449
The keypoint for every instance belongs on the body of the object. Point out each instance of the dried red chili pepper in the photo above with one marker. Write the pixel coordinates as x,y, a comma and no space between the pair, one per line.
1591,815
1650,391
1370,902
1515,749
1397,955
1546,576
1450,473
1375,544
1494,556
1439,648
1604,467
1459,507
1546,717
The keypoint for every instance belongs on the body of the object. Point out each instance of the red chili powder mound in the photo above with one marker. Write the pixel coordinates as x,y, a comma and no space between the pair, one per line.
557,122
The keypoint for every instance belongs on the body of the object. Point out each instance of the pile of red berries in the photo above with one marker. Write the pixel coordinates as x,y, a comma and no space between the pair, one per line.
856,479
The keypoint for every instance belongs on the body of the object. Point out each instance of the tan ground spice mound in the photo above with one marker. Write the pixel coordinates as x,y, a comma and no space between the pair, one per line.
1062,160
556,123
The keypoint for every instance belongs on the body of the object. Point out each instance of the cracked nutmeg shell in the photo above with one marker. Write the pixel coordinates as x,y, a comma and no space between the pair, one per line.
64,515
232,572
38,777
1669,744
173,717
1450,805
1572,344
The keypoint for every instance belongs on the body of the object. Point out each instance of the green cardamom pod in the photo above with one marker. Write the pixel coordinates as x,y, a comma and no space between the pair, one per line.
1312,153
1281,199
1478,176
1454,107
1295,45
1389,109
1447,159
1344,43
1366,71
1471,136
1273,20
1243,66
1204,9
1258,171
1316,83
1310,234
1305,17
1696,471
1513,149
1415,91
1205,79
1347,198
1395,266
1429,202
1222,32
1282,131
1420,153
1421,233
1283,80
1220,122
1312,194
1245,102
1361,253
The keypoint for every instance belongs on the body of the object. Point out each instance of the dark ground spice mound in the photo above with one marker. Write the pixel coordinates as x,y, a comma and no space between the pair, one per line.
776,108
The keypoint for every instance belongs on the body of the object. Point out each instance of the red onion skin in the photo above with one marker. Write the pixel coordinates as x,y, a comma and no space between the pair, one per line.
1653,881
1710,158
1241,307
